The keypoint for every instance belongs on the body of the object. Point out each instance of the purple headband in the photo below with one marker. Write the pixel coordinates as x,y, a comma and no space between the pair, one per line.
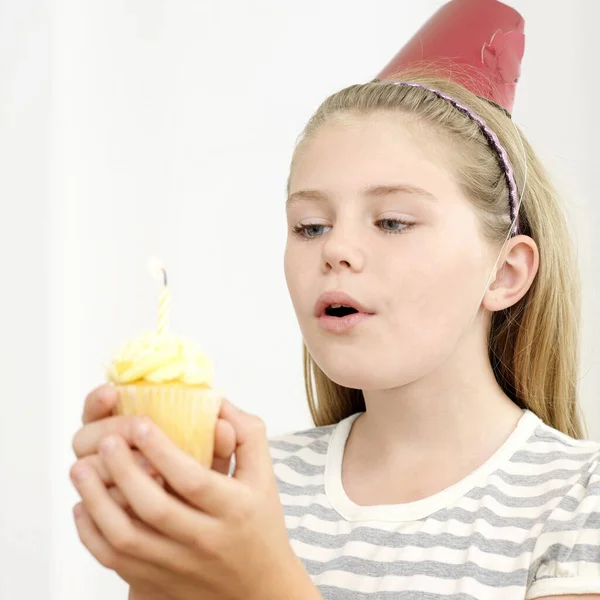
492,139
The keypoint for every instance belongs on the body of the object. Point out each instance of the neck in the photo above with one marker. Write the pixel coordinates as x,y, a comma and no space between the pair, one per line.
458,409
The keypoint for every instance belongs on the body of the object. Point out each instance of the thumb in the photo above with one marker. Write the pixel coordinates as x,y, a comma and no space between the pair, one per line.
252,456
99,403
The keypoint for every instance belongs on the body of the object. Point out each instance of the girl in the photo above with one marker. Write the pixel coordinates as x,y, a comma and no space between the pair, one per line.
432,275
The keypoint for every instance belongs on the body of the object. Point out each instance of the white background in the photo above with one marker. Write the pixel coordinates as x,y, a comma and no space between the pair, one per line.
139,128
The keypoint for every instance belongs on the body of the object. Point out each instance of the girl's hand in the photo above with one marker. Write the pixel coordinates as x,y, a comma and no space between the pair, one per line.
99,406
223,537
98,422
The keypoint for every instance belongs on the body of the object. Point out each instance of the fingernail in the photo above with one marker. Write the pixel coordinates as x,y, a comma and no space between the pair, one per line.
80,474
108,445
78,510
142,429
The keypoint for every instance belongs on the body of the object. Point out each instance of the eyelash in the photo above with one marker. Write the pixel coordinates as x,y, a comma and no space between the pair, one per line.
300,229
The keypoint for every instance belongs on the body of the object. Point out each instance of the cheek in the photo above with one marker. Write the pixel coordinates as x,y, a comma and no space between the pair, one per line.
289,272
297,276
429,306
435,295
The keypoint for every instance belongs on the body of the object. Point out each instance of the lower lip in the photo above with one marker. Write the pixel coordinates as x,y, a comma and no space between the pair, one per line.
342,324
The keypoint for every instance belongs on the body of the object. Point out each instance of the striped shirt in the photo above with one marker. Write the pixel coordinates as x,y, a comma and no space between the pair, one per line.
524,524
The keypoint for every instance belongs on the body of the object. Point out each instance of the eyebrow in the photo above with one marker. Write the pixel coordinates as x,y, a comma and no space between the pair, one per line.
376,191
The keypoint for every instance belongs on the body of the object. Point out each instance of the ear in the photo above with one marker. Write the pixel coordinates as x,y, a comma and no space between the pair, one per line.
515,276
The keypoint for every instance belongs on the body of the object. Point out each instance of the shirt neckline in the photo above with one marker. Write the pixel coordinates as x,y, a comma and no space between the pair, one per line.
410,511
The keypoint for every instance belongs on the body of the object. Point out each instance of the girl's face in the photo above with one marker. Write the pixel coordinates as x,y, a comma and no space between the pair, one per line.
375,214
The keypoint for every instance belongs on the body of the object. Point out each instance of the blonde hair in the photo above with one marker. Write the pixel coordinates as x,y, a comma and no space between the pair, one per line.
534,344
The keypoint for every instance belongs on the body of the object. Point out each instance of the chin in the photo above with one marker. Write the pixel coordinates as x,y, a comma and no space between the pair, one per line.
383,367
361,372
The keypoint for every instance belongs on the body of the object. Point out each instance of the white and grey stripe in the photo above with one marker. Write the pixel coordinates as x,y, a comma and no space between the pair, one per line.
529,526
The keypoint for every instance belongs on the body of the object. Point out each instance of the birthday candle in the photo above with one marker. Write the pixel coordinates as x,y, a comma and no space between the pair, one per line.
164,301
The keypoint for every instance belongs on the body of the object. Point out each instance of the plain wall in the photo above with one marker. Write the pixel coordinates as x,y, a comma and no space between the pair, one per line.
26,477
142,129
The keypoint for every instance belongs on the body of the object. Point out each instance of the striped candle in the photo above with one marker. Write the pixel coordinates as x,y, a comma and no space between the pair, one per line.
164,307
164,301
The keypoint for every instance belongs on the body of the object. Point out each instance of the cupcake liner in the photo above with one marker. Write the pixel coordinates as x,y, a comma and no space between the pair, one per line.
187,415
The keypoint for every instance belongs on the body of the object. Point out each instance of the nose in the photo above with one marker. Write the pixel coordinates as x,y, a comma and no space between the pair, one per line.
339,254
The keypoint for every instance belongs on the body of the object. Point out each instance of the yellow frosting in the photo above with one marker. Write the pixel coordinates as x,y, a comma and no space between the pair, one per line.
161,358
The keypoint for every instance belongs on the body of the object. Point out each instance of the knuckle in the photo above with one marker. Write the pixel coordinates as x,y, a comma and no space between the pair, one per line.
102,397
125,541
194,487
108,559
99,401
77,443
208,544
98,391
185,568
257,425
103,554
156,514
75,466
123,425
135,421
142,420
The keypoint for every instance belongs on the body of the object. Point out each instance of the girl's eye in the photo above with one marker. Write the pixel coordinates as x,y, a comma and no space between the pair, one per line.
315,230
394,225
310,230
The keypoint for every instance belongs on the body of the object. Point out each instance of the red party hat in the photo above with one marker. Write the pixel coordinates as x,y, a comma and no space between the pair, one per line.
477,43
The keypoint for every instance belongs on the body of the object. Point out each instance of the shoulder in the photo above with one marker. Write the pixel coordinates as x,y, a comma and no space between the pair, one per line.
571,466
573,463
543,432
566,556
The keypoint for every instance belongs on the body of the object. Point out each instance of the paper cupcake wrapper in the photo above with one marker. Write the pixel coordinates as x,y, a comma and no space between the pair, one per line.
187,415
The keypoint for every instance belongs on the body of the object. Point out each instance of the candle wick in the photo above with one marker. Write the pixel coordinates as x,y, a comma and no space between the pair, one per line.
164,277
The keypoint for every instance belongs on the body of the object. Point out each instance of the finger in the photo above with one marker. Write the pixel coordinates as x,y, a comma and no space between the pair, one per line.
95,462
252,457
102,551
119,530
150,503
95,542
87,439
117,495
211,492
99,403
224,439
224,446
221,465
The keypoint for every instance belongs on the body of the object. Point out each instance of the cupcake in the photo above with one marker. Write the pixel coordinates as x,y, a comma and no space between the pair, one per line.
169,379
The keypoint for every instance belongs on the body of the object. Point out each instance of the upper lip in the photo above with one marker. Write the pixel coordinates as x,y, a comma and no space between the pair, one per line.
329,298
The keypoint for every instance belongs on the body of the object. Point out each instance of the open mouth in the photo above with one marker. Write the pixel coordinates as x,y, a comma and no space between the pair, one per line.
339,310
